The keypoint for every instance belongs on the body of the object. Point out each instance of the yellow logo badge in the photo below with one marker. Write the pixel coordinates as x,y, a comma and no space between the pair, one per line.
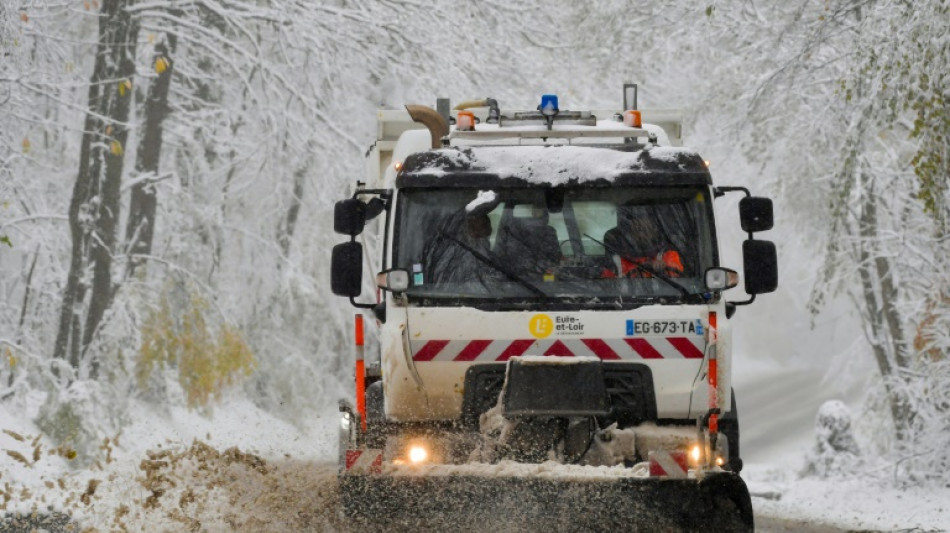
541,326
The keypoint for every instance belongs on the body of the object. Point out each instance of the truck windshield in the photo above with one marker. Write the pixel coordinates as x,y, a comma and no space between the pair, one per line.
628,243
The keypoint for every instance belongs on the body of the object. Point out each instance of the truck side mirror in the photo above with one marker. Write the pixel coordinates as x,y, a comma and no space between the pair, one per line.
760,263
349,217
346,272
755,214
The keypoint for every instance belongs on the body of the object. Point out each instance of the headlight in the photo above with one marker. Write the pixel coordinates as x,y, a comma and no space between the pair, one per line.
415,450
695,453
418,454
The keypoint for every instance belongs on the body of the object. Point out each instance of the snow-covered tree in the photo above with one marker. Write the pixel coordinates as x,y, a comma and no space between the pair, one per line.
264,110
847,109
246,121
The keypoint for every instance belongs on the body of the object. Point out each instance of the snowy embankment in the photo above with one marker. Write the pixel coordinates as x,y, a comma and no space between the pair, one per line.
777,416
239,470
867,502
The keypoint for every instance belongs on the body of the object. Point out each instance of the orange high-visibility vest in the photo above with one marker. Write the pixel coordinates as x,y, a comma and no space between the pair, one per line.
672,266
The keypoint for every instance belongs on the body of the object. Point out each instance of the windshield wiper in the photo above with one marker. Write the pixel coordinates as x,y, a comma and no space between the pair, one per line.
491,262
643,268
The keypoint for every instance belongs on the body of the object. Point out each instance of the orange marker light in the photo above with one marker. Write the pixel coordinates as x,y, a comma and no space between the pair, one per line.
465,121
632,118
360,372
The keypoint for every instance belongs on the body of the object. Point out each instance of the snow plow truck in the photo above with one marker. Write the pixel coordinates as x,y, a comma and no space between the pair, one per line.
549,342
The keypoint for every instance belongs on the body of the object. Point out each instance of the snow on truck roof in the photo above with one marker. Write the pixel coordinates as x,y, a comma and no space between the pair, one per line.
552,166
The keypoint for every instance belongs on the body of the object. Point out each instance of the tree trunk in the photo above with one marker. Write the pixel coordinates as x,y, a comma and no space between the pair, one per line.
143,204
880,294
94,207
286,233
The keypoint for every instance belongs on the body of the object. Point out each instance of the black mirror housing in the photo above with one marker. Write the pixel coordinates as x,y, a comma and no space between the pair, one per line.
755,214
346,272
760,263
374,207
349,217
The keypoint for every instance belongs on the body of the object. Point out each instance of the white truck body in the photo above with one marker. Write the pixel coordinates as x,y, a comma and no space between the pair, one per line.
418,388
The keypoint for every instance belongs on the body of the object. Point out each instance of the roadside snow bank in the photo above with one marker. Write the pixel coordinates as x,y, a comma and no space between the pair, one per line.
238,470
857,503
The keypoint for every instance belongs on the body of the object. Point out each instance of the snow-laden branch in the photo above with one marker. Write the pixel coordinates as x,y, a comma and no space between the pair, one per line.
20,220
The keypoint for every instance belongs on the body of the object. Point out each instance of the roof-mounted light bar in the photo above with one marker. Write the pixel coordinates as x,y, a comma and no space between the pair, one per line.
538,118
560,133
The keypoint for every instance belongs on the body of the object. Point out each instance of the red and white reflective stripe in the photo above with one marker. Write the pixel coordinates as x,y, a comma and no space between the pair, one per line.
364,461
668,464
484,350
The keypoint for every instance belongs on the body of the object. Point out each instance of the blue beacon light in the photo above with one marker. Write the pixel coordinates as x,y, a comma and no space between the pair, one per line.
548,104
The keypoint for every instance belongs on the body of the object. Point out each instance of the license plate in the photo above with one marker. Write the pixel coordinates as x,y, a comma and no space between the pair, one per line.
664,327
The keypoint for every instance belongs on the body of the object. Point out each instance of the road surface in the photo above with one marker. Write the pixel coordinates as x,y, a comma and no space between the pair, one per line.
203,489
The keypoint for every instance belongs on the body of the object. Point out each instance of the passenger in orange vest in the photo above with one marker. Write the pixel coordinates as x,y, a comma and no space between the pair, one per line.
638,242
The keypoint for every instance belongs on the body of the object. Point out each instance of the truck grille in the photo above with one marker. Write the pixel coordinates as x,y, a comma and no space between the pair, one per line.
629,390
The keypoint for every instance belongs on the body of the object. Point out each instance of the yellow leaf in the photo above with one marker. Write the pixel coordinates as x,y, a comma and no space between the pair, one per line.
26,145
19,457
151,38
161,65
109,129
24,17
116,148
124,87
15,435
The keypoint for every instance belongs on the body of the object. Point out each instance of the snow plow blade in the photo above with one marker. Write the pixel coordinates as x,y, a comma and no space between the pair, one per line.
720,502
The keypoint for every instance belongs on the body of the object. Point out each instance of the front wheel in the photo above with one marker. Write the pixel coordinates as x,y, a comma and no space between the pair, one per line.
730,502
729,426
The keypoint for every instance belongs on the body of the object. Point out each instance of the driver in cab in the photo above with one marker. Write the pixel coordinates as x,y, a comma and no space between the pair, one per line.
638,248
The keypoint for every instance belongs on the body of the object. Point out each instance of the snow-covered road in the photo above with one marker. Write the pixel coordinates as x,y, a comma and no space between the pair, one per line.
199,489
244,470
768,524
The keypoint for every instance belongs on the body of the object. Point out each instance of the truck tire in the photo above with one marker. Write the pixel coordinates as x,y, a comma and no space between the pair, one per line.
729,426
375,416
